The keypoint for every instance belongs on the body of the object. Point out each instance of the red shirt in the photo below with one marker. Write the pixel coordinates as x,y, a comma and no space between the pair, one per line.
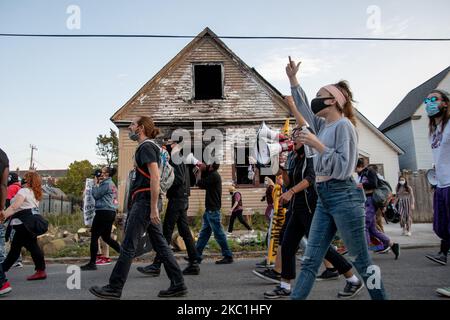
12,190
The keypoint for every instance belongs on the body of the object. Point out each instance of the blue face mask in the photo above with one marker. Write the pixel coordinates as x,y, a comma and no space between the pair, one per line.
432,108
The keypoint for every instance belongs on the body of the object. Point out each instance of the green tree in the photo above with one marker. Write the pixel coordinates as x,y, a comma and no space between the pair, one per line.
108,147
75,180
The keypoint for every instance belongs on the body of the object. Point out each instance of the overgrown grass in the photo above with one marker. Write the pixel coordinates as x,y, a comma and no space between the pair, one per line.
70,222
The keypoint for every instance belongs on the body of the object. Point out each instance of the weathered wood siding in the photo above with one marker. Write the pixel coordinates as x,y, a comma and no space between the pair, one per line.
171,98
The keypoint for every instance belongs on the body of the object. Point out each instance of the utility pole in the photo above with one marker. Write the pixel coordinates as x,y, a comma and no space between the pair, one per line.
31,159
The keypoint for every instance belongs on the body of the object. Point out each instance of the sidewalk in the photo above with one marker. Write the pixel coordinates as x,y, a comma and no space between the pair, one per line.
422,235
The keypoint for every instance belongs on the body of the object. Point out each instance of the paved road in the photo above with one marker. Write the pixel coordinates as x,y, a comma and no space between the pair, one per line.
410,277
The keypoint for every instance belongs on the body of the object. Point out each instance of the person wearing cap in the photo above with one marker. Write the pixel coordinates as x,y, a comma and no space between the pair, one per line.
236,210
176,213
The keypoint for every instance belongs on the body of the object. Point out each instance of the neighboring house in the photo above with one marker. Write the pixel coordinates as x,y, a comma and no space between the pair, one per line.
49,177
207,82
377,149
407,125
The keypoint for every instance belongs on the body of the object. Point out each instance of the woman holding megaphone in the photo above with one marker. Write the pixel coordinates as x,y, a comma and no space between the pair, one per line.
340,205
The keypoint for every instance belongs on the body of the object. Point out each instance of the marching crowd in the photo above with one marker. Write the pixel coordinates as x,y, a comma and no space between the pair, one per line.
320,194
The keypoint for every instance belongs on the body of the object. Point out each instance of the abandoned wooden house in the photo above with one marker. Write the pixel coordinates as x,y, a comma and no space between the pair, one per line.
207,82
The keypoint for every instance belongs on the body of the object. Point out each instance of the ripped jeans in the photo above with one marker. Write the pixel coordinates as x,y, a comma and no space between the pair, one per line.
340,207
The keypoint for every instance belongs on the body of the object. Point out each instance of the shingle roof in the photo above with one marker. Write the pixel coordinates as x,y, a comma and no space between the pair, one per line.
408,106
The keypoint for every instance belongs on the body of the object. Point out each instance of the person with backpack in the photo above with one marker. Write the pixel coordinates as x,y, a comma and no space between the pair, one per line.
105,195
5,286
143,216
236,210
176,214
369,181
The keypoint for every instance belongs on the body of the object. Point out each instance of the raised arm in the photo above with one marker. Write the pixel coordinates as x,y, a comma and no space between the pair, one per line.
300,98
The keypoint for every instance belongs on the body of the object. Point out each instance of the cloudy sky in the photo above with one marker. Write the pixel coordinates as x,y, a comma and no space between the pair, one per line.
59,93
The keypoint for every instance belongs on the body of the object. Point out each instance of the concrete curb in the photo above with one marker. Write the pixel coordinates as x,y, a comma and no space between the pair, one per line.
207,256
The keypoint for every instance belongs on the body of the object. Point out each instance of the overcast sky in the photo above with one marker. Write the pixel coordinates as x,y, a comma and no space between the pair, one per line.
59,94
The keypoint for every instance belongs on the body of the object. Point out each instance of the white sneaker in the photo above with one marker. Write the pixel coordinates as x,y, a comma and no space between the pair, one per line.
229,234
409,233
404,232
18,265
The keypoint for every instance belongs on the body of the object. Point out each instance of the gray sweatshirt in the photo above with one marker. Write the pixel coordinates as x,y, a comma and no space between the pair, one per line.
340,139
440,147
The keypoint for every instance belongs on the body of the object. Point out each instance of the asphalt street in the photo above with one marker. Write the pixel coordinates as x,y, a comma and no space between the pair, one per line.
411,277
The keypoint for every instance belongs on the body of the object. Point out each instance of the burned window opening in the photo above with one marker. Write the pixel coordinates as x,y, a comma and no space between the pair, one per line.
208,82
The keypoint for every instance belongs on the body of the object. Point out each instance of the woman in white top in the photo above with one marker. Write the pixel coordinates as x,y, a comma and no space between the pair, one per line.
19,212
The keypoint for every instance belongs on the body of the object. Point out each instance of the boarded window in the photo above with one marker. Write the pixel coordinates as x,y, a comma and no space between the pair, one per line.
208,82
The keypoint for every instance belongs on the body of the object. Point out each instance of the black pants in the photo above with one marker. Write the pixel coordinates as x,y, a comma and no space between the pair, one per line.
101,227
23,238
234,215
138,223
2,276
176,214
297,225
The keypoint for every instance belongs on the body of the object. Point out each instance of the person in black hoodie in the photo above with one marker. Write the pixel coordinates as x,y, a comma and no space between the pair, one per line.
368,180
176,214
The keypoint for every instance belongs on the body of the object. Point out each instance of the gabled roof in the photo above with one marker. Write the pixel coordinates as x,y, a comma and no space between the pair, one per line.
116,118
409,105
380,134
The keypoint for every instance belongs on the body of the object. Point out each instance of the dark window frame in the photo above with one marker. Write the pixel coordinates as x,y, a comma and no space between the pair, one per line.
194,98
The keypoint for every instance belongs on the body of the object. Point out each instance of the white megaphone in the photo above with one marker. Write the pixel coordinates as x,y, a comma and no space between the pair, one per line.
269,144
190,159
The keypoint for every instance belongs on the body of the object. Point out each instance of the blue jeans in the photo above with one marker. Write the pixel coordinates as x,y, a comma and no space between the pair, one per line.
340,207
212,223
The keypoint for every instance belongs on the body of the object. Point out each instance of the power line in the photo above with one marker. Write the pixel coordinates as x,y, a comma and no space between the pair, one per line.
221,37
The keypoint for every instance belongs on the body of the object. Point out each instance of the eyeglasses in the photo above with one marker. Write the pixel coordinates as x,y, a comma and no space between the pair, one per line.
432,99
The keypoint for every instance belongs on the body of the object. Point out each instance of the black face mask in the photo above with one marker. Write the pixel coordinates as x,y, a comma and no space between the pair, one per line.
169,148
318,104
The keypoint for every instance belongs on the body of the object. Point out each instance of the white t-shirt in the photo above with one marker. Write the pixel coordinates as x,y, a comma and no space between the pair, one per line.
440,147
30,202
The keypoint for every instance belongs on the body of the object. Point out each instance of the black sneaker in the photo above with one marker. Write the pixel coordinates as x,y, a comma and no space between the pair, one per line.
263,264
192,269
105,292
225,260
327,274
384,250
277,293
269,275
350,290
177,291
198,260
89,267
396,250
439,258
152,270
